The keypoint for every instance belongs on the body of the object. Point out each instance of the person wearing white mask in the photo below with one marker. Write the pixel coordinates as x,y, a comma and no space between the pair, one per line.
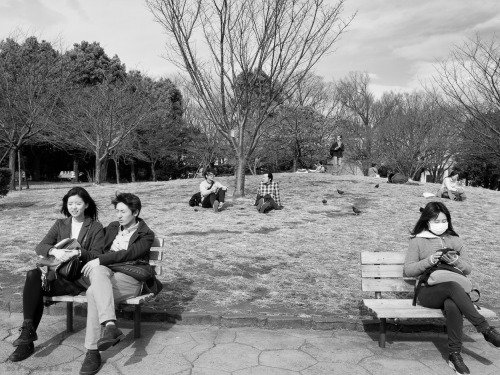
432,234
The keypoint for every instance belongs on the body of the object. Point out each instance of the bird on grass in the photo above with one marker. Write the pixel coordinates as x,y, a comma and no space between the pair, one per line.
376,186
356,211
340,191
324,201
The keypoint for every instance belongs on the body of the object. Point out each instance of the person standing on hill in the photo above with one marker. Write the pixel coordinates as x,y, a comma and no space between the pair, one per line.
336,152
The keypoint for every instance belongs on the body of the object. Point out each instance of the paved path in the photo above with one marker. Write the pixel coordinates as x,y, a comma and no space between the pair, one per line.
208,350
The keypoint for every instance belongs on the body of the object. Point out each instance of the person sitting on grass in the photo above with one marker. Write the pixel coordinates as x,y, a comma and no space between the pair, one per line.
373,171
82,224
268,195
432,234
125,240
319,168
213,193
450,188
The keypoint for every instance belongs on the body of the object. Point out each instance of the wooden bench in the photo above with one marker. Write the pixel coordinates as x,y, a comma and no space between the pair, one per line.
383,272
156,254
68,175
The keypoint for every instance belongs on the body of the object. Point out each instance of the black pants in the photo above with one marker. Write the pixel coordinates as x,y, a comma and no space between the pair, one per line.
208,201
260,200
452,298
33,294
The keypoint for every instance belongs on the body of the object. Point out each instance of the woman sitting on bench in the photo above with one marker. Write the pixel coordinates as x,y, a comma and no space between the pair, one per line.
432,234
81,224
127,239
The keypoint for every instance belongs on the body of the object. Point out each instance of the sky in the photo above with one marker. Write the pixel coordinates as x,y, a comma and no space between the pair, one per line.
398,42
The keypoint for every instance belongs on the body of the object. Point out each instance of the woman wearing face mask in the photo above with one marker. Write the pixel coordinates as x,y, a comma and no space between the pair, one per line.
268,195
81,224
451,189
432,233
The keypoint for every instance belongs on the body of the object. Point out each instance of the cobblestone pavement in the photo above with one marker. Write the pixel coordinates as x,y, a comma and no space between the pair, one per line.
195,350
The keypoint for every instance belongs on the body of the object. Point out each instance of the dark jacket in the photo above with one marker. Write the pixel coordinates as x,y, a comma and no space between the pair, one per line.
139,245
338,152
91,238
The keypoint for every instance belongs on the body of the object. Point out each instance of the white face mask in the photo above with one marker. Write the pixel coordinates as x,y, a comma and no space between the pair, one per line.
438,228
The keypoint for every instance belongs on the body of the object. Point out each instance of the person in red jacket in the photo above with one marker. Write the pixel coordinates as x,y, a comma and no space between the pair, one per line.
81,223
127,239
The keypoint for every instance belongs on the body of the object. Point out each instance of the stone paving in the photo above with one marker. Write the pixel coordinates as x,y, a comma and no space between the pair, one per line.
211,350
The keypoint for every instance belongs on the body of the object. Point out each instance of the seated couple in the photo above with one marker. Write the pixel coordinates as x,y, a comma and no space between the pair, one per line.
127,239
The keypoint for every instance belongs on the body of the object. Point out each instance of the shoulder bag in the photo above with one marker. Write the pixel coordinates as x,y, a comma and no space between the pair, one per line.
138,269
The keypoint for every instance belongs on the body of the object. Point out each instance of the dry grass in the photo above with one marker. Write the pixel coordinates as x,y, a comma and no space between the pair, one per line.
302,260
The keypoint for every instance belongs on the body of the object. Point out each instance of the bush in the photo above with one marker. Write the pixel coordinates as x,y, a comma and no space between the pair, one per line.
5,176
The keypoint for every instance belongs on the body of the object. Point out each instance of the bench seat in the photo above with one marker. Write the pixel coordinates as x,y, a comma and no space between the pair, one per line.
156,254
383,272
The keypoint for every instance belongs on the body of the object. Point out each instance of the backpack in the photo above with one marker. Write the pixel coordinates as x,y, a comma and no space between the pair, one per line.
195,200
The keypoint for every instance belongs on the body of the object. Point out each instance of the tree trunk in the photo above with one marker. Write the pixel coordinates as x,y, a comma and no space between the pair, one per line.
20,175
12,167
132,170
294,166
97,174
104,169
75,169
117,171
239,190
153,172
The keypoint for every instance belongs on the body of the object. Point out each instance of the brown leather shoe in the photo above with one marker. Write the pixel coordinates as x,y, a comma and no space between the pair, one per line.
91,363
110,337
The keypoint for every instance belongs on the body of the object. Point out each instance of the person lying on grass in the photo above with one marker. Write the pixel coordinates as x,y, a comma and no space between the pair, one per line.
319,168
432,235
268,195
81,223
213,193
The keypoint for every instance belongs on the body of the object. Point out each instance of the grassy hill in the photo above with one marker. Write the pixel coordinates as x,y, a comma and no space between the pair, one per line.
302,260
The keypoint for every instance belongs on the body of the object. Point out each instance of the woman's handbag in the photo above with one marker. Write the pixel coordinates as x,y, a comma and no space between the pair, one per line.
445,273
53,268
138,269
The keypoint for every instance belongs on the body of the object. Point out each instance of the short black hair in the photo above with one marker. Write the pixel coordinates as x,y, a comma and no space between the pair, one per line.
132,201
270,176
207,171
91,211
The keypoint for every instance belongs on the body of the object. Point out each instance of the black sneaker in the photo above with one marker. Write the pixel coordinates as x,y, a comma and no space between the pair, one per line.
91,363
456,362
110,337
22,352
265,208
28,334
492,336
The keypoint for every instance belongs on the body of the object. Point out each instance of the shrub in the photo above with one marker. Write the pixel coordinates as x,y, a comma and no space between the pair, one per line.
5,176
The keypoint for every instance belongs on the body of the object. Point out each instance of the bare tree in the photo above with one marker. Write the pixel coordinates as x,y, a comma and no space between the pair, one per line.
359,116
99,118
415,133
228,48
470,78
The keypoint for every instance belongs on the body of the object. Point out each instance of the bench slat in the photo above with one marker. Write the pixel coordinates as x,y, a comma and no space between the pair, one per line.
156,254
386,270
387,285
382,257
402,308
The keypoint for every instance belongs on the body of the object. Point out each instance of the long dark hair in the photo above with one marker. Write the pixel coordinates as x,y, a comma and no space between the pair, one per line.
91,211
431,212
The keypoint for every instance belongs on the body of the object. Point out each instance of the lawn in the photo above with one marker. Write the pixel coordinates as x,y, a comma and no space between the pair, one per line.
302,260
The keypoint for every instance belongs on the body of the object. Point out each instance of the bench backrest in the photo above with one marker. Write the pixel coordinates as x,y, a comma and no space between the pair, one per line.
156,254
383,272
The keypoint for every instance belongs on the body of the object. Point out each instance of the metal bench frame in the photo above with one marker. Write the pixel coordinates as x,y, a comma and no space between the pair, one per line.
383,272
156,254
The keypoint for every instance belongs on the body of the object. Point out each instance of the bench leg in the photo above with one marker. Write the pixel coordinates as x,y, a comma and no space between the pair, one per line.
383,329
137,321
69,316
